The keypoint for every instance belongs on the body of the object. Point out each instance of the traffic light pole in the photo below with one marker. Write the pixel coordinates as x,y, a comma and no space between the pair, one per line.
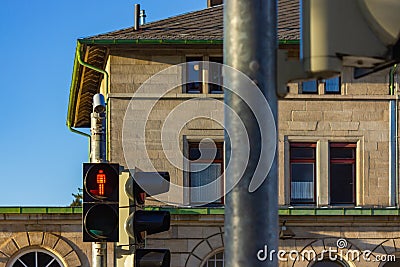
250,46
98,155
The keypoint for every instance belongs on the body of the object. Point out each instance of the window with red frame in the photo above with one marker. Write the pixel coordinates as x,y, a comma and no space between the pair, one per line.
206,165
342,170
302,173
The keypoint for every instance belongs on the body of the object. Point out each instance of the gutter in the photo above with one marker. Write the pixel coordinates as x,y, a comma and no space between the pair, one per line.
162,41
393,142
106,76
71,93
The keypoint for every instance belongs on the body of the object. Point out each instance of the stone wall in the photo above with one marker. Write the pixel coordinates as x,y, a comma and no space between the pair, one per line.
60,234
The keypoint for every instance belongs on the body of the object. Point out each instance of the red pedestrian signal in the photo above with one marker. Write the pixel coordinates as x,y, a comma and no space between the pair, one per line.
101,181
100,202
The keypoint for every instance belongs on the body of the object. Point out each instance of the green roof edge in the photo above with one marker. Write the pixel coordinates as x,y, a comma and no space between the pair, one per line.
40,210
283,211
291,211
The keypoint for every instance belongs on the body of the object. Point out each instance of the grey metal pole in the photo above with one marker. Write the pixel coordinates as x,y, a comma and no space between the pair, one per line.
98,155
250,45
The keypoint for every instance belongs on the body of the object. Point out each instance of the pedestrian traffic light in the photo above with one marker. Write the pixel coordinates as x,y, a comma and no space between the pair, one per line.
146,184
152,257
100,202
142,223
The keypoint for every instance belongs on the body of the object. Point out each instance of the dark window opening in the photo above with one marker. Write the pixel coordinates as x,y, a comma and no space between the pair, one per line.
194,69
342,167
302,173
215,76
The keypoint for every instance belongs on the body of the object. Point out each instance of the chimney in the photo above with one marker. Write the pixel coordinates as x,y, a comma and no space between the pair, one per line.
211,3
136,24
142,17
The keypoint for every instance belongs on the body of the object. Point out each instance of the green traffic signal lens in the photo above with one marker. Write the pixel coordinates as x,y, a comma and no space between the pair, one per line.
103,226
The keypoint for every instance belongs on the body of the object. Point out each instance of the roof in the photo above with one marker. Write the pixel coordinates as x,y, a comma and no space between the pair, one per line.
199,27
206,24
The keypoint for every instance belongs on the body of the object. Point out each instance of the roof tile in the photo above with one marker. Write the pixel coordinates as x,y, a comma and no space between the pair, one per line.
206,24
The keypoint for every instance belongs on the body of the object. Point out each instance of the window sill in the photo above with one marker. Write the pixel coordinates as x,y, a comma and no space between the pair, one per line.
167,96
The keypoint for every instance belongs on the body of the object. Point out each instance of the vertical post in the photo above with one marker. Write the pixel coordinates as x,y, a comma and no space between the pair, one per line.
136,24
250,46
98,155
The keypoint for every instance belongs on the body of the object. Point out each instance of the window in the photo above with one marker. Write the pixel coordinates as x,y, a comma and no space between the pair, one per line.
302,173
215,76
206,165
216,260
342,168
36,258
212,80
309,87
194,77
331,86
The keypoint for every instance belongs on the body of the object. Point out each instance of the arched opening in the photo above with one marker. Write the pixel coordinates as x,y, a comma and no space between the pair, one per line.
36,258
215,260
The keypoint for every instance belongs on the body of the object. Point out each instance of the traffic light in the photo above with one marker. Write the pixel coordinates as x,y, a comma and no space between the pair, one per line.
141,223
100,202
152,257
359,33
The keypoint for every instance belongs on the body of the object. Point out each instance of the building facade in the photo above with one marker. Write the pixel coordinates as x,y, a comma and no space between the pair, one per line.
40,236
338,144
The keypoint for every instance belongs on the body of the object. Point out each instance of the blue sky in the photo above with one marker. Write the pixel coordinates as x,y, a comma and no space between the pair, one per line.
40,159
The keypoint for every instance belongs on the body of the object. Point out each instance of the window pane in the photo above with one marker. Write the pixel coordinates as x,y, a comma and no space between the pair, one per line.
44,259
208,151
342,153
342,183
29,259
215,76
332,85
309,86
219,255
302,153
18,264
216,260
193,75
201,175
54,264
302,184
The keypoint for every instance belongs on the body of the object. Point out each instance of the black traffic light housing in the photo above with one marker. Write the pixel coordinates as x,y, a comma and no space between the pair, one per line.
152,258
142,223
100,202
147,184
